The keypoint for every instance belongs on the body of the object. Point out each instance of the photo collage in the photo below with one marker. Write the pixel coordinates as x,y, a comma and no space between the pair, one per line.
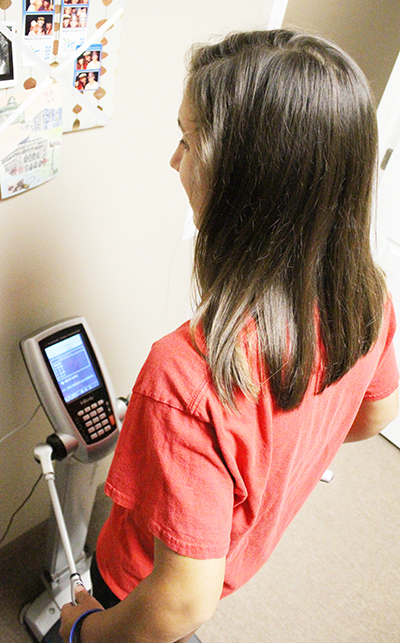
39,29
70,43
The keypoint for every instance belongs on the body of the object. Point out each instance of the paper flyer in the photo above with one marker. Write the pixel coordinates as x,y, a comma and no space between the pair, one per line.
30,147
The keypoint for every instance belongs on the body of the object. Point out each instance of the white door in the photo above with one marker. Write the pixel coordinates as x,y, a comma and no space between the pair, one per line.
388,212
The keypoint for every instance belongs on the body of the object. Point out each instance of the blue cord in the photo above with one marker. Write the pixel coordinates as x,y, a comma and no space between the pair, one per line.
74,636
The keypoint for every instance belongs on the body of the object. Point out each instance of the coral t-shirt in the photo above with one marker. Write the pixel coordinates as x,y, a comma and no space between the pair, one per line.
210,482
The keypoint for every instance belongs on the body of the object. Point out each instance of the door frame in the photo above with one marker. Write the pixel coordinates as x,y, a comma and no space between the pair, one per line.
388,114
274,13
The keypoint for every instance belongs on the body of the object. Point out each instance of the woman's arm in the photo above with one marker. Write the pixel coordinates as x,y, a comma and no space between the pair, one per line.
178,596
373,417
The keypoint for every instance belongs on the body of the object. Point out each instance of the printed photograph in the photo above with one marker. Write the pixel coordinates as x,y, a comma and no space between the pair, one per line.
87,81
6,62
74,18
89,60
39,25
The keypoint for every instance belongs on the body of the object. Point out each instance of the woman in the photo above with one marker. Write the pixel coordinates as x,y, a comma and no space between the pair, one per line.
95,60
235,416
92,83
36,5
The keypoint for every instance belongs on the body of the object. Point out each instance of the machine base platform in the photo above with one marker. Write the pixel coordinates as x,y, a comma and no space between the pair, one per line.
41,618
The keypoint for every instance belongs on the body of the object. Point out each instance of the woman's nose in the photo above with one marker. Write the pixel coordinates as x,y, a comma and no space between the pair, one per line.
176,159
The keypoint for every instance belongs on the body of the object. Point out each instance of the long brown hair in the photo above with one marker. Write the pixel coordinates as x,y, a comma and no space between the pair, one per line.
287,147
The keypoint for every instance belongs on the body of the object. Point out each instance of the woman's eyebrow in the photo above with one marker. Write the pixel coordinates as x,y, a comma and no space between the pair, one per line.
187,131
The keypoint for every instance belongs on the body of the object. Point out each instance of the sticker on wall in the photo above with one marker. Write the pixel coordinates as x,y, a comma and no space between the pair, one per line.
30,147
38,29
7,67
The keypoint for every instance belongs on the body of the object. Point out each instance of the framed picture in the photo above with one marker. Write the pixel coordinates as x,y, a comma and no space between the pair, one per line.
7,67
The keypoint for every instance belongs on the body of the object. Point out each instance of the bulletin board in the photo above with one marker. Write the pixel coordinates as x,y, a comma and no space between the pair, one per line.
58,62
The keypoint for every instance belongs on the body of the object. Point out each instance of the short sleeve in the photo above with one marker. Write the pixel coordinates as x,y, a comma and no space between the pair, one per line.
386,377
169,472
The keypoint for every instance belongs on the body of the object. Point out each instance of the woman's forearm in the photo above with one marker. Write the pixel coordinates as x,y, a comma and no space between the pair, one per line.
152,613
179,595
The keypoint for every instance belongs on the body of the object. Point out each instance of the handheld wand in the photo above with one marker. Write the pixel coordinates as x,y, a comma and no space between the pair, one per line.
43,454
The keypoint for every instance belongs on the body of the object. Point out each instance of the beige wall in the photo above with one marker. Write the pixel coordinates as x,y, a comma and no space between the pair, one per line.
367,29
103,240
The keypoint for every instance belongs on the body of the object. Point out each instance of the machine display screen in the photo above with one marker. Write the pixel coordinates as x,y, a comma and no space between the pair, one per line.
72,367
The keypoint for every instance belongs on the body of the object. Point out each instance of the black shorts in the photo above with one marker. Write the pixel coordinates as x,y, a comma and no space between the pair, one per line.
100,589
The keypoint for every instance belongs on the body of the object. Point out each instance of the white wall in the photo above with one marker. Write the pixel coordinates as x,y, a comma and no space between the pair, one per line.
103,239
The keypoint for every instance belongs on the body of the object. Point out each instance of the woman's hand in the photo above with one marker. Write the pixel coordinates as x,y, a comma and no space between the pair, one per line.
70,613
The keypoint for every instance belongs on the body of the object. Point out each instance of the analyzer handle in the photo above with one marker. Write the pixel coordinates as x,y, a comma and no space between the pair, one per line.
43,454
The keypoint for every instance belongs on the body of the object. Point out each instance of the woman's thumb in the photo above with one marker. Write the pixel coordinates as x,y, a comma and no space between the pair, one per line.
80,593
